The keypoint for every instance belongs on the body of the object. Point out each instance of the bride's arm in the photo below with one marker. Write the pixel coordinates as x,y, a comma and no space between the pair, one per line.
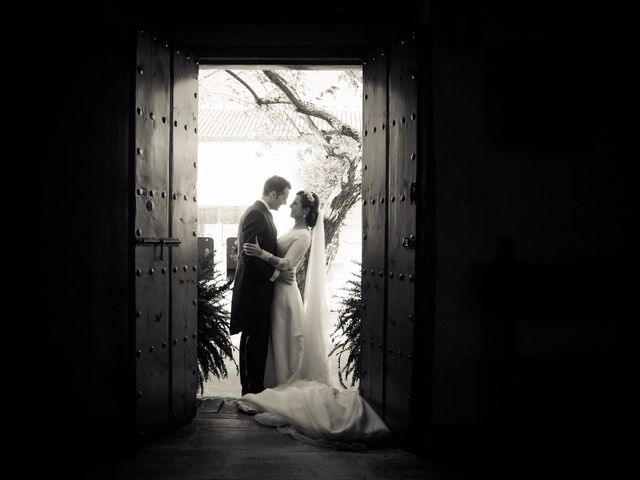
293,256
254,250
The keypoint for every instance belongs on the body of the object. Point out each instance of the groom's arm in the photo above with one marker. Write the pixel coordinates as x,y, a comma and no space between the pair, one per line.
255,225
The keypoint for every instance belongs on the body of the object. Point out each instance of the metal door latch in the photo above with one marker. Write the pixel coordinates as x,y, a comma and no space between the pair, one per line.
169,242
409,242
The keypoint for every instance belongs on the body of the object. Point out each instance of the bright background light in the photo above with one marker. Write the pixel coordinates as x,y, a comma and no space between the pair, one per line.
232,172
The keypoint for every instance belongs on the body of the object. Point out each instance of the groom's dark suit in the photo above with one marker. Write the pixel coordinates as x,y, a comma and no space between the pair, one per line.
252,295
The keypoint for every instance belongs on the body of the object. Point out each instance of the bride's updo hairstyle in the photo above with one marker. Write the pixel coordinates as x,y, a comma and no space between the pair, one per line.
311,201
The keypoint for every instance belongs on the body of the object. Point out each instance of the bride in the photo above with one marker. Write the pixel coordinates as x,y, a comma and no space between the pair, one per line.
300,399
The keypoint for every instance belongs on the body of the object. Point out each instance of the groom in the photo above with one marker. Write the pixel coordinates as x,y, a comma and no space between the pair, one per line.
253,284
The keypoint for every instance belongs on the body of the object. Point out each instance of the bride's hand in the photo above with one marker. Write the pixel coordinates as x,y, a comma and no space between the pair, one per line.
252,249
287,276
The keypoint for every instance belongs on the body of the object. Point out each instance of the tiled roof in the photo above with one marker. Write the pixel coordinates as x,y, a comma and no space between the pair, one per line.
263,124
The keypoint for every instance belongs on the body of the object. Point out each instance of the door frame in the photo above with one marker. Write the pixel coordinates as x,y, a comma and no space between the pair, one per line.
348,45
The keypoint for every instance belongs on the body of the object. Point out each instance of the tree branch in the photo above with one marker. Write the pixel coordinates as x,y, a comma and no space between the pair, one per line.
245,85
300,132
309,109
259,100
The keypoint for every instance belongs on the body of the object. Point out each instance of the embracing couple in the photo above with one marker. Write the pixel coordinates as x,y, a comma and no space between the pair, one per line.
284,342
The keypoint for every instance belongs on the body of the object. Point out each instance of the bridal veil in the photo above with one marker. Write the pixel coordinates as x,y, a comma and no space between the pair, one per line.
315,361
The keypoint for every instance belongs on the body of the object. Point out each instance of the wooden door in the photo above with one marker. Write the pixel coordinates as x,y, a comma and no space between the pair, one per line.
184,258
401,233
374,228
390,187
165,254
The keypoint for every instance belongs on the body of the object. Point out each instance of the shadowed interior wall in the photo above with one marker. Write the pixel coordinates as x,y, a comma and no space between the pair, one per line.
536,241
74,380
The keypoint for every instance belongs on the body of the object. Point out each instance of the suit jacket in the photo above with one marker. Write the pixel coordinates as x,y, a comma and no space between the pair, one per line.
252,288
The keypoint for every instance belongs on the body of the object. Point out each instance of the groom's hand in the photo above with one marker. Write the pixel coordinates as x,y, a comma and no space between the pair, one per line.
252,249
287,276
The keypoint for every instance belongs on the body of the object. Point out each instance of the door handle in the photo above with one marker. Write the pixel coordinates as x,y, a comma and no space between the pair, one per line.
412,193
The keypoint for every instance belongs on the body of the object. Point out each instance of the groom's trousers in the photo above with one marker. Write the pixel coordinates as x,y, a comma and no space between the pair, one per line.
254,345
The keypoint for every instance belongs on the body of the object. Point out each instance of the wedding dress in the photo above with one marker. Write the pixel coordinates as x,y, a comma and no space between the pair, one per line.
302,403
287,312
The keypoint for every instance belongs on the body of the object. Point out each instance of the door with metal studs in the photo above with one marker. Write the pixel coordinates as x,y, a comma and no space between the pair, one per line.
389,184
165,252
374,234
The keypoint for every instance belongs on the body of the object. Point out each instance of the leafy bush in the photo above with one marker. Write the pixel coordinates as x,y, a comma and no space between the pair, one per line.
214,343
348,331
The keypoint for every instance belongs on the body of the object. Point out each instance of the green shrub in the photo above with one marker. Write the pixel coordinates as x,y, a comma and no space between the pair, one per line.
214,342
348,331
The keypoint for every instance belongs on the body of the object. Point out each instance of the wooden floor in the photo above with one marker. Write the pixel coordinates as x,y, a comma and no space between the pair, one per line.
222,443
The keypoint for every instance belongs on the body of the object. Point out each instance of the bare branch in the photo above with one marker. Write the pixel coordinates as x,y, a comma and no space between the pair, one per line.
213,72
330,132
279,82
245,85
272,102
300,132
309,109
259,100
